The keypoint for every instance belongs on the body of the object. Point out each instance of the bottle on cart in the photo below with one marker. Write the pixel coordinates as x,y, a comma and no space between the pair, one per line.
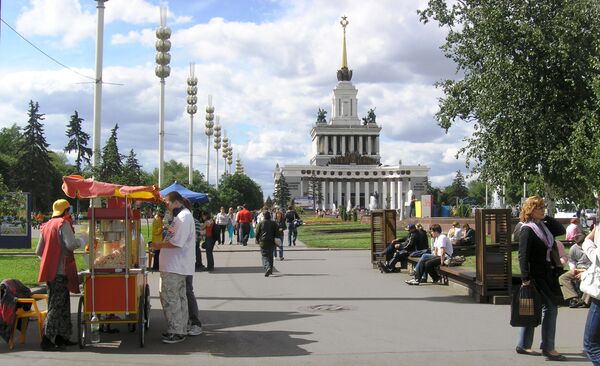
95,330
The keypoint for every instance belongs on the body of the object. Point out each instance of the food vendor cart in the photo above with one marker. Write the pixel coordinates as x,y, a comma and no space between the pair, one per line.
115,287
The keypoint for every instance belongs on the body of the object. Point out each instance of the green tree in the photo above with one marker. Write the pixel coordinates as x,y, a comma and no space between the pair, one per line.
315,191
34,171
476,193
11,140
269,202
529,84
239,189
457,190
281,193
78,141
176,172
133,174
111,166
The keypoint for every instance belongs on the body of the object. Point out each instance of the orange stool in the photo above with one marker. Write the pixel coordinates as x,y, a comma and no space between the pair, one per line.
26,315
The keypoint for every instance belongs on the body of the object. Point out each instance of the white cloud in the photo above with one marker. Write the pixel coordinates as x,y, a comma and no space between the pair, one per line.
68,20
267,79
57,18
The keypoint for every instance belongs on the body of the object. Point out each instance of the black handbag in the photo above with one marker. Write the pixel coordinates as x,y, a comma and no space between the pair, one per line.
526,307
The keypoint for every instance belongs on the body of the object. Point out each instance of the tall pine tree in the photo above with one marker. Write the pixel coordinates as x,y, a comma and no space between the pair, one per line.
78,141
281,194
34,171
111,168
133,174
458,189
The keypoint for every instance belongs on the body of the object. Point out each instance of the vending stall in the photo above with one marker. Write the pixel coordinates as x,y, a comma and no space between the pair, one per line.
115,287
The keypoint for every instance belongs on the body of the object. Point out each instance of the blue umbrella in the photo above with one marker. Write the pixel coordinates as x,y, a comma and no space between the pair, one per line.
186,193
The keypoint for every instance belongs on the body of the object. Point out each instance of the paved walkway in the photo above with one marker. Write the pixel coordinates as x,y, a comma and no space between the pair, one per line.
319,308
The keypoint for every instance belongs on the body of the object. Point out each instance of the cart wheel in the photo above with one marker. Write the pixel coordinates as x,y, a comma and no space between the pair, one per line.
147,308
141,321
81,326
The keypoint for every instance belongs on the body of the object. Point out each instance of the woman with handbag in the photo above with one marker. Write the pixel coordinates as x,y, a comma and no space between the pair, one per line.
590,284
538,260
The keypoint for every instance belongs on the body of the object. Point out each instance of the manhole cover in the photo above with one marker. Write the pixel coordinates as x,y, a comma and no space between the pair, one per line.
326,308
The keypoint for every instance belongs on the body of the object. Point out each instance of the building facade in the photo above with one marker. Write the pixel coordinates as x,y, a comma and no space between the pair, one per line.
345,168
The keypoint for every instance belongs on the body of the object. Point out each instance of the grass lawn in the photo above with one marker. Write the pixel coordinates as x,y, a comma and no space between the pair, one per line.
328,232
26,268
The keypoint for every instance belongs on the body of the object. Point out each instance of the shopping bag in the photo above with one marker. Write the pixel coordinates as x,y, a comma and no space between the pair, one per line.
526,307
590,281
251,235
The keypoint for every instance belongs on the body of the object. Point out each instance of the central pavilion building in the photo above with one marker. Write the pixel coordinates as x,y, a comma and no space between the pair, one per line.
345,165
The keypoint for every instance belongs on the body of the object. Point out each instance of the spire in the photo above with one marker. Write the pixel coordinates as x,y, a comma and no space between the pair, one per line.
344,23
344,74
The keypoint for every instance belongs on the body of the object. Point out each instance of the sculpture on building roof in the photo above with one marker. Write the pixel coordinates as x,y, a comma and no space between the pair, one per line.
370,118
321,116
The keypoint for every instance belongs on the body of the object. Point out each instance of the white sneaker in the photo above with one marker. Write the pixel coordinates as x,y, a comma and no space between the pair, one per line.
194,330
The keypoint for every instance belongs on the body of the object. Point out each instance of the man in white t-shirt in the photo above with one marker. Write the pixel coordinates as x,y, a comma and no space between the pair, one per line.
177,260
442,250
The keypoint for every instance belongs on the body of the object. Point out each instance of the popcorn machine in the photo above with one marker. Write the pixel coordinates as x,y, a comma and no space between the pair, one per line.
115,287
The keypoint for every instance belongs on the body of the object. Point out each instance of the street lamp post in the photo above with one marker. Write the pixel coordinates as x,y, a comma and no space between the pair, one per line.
192,99
97,128
217,146
208,130
162,70
230,157
225,150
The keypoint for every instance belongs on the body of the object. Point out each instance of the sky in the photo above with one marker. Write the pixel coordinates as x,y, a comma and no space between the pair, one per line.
268,64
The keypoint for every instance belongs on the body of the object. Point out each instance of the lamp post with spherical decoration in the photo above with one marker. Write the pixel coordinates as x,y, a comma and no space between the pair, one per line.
208,130
217,141
192,99
225,150
162,70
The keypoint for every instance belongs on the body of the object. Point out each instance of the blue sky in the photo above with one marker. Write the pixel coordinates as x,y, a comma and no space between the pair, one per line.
268,64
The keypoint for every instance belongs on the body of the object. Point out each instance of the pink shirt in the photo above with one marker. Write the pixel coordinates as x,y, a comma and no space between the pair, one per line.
572,231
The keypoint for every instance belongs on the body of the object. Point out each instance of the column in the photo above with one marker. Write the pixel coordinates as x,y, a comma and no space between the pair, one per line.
334,144
326,144
384,193
343,145
376,140
348,192
352,148
301,187
367,194
369,145
393,195
324,193
400,201
376,189
360,145
330,194
339,192
357,188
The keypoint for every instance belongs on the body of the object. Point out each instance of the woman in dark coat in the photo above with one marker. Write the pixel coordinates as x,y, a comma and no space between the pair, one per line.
539,264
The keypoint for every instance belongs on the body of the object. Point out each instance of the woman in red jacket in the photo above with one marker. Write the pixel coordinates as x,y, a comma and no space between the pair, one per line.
59,272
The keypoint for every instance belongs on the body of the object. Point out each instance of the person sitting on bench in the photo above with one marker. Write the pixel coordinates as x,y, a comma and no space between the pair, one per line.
469,236
399,250
442,250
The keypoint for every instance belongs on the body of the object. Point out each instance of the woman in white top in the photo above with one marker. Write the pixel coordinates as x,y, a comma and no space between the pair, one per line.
591,334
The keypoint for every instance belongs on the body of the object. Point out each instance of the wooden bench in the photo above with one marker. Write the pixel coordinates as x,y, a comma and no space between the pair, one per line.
456,274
